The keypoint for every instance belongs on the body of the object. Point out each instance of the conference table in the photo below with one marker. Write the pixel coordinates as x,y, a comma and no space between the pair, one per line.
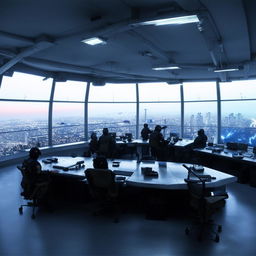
171,175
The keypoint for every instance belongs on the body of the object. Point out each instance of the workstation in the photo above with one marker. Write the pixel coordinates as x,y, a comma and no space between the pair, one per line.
70,69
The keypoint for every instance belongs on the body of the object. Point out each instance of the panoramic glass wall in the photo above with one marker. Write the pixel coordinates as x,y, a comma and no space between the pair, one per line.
25,103
238,118
112,106
160,104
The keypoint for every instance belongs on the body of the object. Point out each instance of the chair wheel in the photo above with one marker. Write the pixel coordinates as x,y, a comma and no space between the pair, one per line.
21,210
33,216
187,231
217,239
219,228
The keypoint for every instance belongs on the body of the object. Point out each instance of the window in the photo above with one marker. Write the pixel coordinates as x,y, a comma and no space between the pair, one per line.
70,91
23,125
238,115
118,117
164,114
239,122
25,87
159,92
200,115
113,93
199,91
68,123
238,90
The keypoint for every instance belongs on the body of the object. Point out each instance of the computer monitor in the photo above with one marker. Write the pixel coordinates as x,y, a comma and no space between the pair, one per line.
232,145
242,146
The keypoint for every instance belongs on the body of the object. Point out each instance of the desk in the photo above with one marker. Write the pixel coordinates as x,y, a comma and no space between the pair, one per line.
170,177
243,168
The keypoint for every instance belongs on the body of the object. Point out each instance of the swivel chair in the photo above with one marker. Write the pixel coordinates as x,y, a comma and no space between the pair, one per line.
33,196
204,203
104,190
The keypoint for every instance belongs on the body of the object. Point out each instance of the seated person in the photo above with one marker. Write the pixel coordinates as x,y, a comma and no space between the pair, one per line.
158,144
32,172
106,144
200,140
93,144
145,132
100,162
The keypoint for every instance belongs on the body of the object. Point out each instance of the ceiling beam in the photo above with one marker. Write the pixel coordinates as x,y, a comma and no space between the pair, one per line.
22,39
38,46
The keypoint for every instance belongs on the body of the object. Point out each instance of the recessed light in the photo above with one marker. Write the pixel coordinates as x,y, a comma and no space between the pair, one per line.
166,68
226,70
172,21
94,41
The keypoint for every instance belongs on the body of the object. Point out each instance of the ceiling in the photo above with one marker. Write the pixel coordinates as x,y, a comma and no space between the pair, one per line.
44,37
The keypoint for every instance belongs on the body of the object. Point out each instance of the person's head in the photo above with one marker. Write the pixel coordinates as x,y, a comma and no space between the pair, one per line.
93,135
158,128
145,125
100,162
105,131
200,132
34,153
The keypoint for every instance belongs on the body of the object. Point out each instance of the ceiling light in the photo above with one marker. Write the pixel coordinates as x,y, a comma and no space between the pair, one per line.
94,41
172,21
166,68
226,70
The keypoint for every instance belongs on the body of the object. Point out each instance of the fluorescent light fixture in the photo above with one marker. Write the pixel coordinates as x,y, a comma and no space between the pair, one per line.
226,70
166,68
172,21
94,41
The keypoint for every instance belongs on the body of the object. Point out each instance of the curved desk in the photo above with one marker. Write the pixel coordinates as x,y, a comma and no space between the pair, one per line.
171,176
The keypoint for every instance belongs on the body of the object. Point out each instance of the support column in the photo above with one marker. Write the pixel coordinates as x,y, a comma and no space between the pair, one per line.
50,113
218,112
181,111
86,111
137,111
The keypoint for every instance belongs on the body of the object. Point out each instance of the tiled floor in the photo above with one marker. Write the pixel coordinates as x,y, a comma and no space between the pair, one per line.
72,230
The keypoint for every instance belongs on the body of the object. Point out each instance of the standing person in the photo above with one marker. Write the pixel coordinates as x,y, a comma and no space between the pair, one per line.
158,144
200,140
106,144
93,144
145,132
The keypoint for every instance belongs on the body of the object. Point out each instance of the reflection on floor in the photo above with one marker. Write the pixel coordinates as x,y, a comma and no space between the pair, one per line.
72,230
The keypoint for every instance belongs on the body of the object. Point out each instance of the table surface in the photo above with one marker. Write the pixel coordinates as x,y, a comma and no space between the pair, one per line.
246,156
179,143
170,176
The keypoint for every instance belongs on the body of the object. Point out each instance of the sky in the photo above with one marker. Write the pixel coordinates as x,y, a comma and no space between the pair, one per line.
29,87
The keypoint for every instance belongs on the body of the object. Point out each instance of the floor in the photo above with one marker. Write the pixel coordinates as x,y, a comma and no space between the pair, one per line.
72,230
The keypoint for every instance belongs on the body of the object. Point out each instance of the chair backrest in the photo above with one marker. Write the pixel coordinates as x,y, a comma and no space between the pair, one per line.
101,182
197,193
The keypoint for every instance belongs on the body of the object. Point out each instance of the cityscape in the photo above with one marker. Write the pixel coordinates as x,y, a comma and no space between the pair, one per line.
16,137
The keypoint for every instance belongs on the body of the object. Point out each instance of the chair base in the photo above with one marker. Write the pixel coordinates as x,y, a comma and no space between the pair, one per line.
32,204
203,230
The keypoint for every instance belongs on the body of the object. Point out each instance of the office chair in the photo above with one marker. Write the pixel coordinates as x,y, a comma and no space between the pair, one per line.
33,196
104,190
204,204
